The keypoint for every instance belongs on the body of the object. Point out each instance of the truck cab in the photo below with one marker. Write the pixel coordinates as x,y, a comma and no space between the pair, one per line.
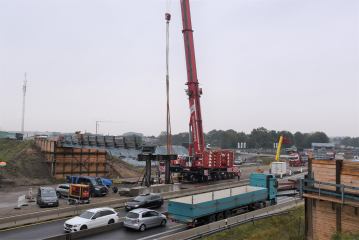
268,181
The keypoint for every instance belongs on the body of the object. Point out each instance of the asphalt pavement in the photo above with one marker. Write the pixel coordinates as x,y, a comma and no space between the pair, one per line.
55,227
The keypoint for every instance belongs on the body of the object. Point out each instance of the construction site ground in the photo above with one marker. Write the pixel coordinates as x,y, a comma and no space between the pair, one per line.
9,196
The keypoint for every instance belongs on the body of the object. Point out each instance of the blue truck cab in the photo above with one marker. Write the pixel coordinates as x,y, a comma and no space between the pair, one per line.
217,205
268,181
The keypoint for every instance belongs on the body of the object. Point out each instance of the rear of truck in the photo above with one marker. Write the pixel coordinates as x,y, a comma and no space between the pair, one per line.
215,204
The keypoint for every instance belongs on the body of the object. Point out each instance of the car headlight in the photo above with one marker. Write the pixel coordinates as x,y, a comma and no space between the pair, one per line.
97,189
77,225
136,205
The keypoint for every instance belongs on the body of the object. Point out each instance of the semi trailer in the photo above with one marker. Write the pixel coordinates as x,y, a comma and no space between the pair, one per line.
217,205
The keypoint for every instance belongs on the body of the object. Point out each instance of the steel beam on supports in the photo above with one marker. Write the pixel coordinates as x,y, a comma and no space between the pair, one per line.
157,157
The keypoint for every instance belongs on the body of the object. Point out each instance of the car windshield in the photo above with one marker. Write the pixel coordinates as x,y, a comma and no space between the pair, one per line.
97,182
140,198
132,215
86,215
48,193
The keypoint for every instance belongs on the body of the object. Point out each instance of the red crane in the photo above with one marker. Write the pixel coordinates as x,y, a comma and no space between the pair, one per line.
201,165
194,92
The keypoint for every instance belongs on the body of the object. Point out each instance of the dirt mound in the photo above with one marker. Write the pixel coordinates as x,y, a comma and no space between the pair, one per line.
25,165
123,169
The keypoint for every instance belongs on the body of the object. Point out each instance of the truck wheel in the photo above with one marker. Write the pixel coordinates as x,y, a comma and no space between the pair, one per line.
193,178
214,177
205,178
200,178
211,218
227,214
264,204
273,202
225,175
219,216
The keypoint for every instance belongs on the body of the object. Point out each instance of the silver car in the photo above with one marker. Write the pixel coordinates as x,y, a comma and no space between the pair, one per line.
63,190
143,218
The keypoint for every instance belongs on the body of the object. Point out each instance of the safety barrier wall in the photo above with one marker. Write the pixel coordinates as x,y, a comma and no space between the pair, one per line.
75,210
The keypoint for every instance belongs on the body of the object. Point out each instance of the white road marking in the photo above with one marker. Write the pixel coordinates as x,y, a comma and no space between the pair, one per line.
161,233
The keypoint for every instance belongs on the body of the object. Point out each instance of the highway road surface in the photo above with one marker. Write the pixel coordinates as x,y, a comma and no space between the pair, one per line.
55,227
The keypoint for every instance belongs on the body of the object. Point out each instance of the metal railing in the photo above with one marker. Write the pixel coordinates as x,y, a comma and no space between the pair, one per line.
319,190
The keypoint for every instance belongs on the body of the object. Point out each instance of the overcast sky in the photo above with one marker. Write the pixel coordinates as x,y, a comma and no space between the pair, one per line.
283,65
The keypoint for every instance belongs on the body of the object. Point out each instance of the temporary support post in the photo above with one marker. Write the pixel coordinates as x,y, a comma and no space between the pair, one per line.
308,206
167,172
148,172
338,168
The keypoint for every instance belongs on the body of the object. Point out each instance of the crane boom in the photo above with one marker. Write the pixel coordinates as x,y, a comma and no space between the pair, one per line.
193,90
283,140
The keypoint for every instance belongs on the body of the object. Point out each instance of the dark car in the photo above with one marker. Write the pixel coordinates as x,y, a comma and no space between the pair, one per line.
10,137
145,201
46,197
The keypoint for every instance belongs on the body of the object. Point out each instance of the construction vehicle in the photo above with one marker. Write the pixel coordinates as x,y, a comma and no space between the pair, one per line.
297,159
282,140
201,165
79,193
217,205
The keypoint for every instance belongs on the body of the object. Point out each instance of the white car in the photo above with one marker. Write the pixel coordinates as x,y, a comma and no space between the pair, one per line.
91,218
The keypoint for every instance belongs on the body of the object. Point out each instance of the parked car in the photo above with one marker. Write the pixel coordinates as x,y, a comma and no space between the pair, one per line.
145,201
62,190
10,137
91,218
46,196
142,218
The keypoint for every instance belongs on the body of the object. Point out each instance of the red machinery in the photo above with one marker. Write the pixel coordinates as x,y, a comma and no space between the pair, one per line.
201,165
297,159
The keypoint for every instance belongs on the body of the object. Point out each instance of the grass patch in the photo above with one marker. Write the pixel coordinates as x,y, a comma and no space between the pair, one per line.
275,228
10,148
343,236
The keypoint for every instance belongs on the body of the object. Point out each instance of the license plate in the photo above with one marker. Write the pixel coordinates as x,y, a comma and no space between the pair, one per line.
50,203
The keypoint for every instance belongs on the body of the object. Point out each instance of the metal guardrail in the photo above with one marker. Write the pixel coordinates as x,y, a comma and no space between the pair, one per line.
319,191
237,224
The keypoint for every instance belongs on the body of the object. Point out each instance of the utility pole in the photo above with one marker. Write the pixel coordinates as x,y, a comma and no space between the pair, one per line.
23,105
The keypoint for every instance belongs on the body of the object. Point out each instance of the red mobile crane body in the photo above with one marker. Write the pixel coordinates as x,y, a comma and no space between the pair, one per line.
201,165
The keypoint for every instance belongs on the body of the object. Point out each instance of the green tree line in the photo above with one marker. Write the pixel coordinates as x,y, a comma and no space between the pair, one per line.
258,138
353,142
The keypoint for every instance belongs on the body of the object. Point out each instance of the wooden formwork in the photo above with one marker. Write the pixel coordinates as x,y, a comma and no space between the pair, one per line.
325,213
74,161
